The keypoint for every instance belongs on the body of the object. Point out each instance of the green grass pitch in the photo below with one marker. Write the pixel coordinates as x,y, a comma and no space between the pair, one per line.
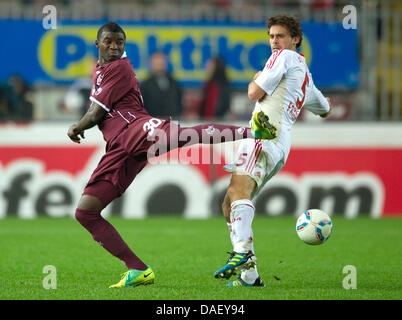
184,255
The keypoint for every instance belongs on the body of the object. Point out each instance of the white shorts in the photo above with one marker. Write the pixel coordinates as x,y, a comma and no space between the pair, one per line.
259,159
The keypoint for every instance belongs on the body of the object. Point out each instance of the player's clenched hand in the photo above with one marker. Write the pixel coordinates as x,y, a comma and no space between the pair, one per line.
330,109
74,133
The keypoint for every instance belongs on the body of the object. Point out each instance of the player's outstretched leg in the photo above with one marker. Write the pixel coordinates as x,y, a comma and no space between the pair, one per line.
133,278
205,134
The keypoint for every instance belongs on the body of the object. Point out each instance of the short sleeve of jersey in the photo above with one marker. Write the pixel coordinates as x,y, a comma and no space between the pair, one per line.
273,72
112,87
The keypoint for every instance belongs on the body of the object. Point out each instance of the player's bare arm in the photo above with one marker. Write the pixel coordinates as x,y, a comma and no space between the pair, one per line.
254,91
91,118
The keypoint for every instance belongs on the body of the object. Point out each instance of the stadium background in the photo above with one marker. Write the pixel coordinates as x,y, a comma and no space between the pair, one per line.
349,164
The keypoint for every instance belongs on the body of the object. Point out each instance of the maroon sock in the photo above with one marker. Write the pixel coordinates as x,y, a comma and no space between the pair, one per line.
232,133
209,133
108,237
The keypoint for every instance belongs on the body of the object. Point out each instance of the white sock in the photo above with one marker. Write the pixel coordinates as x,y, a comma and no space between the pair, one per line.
249,276
241,218
241,233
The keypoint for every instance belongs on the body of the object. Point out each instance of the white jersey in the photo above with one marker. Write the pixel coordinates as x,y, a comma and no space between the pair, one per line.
289,87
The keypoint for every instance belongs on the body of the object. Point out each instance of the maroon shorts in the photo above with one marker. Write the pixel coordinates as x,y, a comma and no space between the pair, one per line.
126,155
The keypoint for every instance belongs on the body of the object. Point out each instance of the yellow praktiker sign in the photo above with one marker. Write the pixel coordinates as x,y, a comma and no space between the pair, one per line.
69,52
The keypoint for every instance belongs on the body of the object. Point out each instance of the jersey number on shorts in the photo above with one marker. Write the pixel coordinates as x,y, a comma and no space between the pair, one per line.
151,125
242,160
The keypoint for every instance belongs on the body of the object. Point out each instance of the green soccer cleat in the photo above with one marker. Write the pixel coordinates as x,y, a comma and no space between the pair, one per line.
241,283
133,278
237,261
261,128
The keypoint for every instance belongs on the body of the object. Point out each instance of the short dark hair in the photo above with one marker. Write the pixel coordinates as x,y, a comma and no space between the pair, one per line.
111,27
290,23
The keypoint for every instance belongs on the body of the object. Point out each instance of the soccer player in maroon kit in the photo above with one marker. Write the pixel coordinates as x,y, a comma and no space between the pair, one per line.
130,133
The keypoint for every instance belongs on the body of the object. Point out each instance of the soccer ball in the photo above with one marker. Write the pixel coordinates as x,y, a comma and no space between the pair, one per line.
314,226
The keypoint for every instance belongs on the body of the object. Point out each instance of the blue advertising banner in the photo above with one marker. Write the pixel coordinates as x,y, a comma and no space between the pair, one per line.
67,53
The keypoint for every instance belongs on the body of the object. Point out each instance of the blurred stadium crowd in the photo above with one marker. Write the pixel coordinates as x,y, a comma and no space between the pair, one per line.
377,97
175,10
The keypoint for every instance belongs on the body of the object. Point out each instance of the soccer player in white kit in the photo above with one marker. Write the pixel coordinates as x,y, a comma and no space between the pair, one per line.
280,90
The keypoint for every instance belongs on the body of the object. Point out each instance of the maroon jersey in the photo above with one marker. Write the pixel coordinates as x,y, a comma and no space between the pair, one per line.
115,88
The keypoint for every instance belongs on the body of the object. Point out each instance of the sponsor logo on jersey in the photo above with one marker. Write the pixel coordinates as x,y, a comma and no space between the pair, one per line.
210,130
241,130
